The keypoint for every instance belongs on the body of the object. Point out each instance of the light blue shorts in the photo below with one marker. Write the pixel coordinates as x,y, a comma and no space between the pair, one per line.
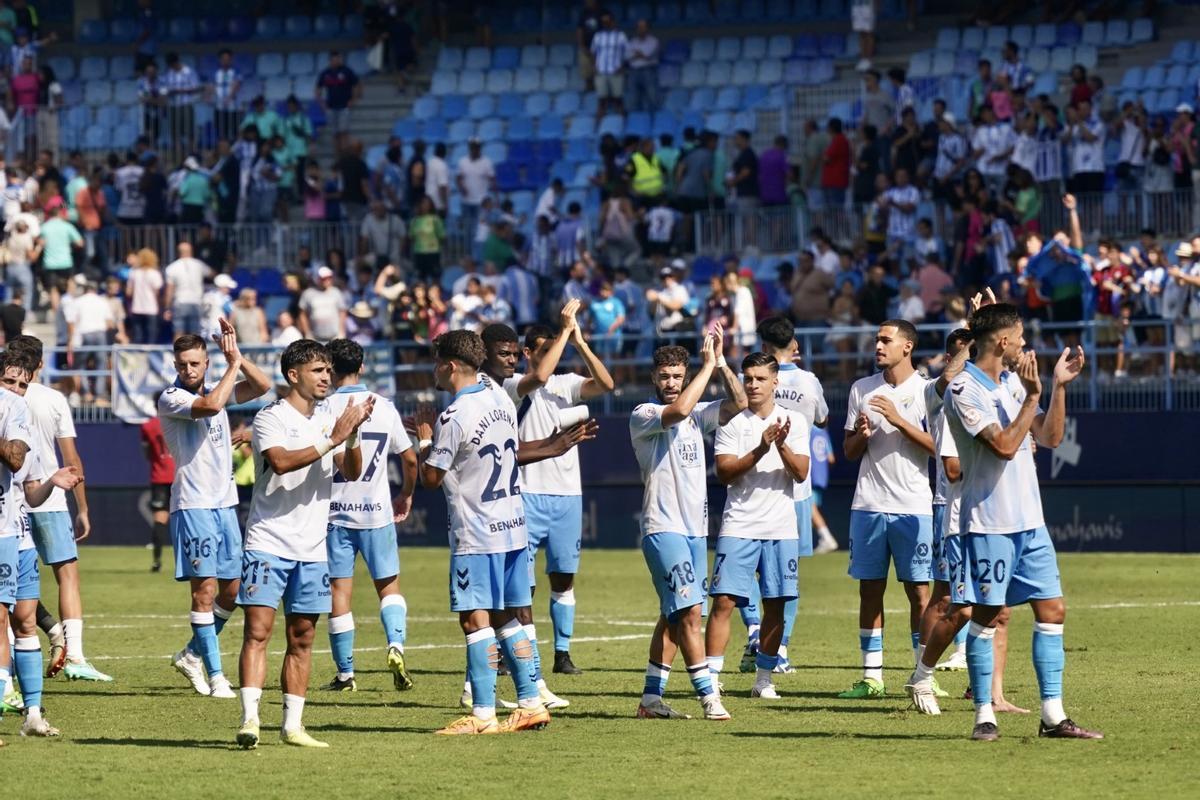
557,521
29,578
8,570
774,561
804,527
377,545
877,538
207,542
303,586
818,495
952,558
54,536
941,570
490,581
679,568
1006,569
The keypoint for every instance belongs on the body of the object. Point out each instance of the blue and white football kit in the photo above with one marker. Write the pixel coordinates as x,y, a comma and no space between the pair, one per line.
14,427
50,420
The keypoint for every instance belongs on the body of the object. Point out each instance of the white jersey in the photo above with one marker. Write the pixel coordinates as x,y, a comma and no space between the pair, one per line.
497,388
538,417
801,391
367,502
760,505
50,420
475,444
949,449
674,473
937,429
289,513
893,477
202,451
14,427
998,496
18,523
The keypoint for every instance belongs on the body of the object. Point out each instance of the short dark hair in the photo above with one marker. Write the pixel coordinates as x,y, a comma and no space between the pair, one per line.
671,355
959,336
988,320
301,352
535,332
30,345
462,345
760,360
17,358
776,332
498,332
188,341
346,356
903,327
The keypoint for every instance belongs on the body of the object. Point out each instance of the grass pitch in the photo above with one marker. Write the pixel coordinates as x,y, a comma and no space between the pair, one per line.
1131,656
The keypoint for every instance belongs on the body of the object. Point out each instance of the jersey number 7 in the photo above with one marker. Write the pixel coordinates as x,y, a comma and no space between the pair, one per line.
380,441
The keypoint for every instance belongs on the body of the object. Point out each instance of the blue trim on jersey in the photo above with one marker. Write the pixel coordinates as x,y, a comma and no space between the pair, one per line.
472,389
788,368
354,387
982,376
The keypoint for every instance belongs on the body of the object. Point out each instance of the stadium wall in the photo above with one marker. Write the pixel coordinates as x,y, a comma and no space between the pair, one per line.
1111,486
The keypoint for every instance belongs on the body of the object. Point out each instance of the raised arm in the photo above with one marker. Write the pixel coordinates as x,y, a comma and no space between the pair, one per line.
558,443
735,393
1071,205
535,379
1006,442
211,404
600,381
682,408
1048,428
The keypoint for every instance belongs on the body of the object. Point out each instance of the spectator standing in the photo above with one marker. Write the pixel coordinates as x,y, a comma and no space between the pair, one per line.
835,169
152,92
401,42
195,192
390,179
297,134
91,207
980,88
415,175
866,165
476,179
589,24
718,307
437,179
863,14
1086,140
143,287
1019,76
618,242
1080,88
323,309
773,174
1131,160
8,24
337,90
610,48
354,179
743,179
146,44
570,237
547,203
381,237
992,145
226,83
646,176
643,69
902,200
182,87
693,176
12,315
90,325
875,297
633,301
127,180
428,234
286,331
59,240
607,314
216,304
185,291
878,107
265,121
816,142
745,315
670,303
24,249
519,289
810,292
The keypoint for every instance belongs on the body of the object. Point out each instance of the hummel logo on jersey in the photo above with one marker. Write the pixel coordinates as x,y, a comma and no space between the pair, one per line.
959,390
464,579
444,418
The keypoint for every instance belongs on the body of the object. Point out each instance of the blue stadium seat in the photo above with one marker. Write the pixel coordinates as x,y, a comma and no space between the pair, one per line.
583,176
1038,59
754,48
566,103
63,66
693,74
555,79
510,104
744,73
719,121
942,64
580,150
520,151
795,70
97,138
563,171
703,50
520,128
1046,83
491,129
443,83
1154,77
454,106
637,124
1061,59
123,30
729,48
1168,100
481,106
995,37
821,71
1142,31
240,28
692,119
1149,99
108,116
245,64
450,58
528,79
779,46
425,107
537,104
667,14
125,93
703,99
1087,55
1193,77
327,26
778,11
470,81
770,71
920,64
78,116
744,120
211,29
668,74
806,46
1182,52
581,126
268,27
1116,33
180,30
676,99
536,177
301,63
461,130
1022,36
611,123
97,92
357,60
1069,33
719,73
728,99
971,39
755,94
407,129
277,89
551,126
477,58
561,55
947,39
93,31
588,103
93,68
533,55
434,130
676,51
269,65
664,122
1177,76
1093,34
297,27
508,177
1132,79
506,58
833,45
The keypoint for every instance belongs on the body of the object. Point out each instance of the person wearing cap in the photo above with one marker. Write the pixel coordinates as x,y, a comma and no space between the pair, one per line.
360,324
195,192
1181,304
323,309
668,305
216,305
59,240
185,291
475,177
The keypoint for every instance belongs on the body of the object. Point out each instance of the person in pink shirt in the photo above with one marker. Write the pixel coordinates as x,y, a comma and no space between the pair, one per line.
25,86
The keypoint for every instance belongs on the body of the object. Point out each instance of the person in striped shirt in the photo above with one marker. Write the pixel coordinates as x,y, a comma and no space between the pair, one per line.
519,289
901,201
610,49
1000,241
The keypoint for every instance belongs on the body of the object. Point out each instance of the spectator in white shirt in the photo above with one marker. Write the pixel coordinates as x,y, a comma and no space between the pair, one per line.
286,331
437,179
476,179
1131,162
381,237
911,307
901,201
185,290
1086,137
89,319
547,204
465,304
610,49
992,145
670,304
643,69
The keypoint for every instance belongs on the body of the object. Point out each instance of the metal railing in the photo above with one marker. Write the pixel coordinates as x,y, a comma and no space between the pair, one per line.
773,229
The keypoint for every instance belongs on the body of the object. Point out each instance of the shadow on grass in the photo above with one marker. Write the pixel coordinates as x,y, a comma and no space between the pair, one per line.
399,704
340,728
842,735
180,743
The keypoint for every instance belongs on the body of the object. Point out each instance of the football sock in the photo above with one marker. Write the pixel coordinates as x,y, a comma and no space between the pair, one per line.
656,682
752,630
482,659
960,640
1048,662
789,619
531,632
562,614
823,534
73,633
979,663
49,624
702,680
870,641
920,654
764,666
27,663
783,657
204,640
293,710
341,644
220,617
916,645
393,613
158,535
519,655
250,696
922,673
5,680
750,618
715,665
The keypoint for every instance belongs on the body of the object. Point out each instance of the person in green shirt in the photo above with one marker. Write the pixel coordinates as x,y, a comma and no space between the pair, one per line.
264,119
59,239
8,24
497,248
668,156
427,233
78,182
286,159
719,168
195,192
297,135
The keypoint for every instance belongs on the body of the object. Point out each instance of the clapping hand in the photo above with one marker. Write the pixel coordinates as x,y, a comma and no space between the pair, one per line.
1069,366
351,419
1027,371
